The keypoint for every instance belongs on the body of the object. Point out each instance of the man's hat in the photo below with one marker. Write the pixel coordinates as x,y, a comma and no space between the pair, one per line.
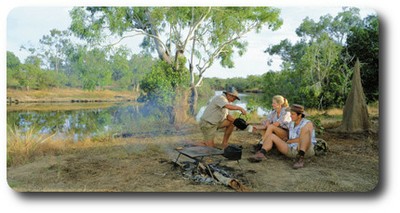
233,92
298,108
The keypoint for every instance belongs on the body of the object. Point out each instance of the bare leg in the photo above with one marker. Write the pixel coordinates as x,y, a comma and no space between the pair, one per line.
279,143
281,133
305,144
267,145
229,127
264,130
209,143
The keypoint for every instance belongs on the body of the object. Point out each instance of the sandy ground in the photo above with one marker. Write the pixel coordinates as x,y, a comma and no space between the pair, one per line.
145,164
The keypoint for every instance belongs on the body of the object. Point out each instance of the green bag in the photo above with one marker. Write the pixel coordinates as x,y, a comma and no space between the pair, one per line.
321,147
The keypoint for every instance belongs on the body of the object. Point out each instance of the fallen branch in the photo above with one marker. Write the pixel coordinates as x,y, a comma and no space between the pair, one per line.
233,183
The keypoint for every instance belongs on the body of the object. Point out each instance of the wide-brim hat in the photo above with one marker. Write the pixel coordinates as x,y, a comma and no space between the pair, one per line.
298,108
232,92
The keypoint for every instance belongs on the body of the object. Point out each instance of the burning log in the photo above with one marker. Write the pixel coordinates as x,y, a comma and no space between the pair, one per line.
233,183
227,181
207,172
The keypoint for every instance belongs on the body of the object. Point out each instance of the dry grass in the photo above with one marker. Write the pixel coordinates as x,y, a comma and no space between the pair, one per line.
140,164
24,146
373,110
143,164
63,106
66,95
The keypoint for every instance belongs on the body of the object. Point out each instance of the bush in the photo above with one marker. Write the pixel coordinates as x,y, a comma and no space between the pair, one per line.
161,83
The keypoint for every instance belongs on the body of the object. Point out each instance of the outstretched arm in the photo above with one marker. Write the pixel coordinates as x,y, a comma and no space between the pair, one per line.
234,107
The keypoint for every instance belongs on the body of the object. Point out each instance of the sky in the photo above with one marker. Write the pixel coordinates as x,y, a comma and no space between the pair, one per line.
383,199
27,25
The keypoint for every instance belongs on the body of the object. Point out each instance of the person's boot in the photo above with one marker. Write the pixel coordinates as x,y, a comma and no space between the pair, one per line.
299,163
257,147
258,157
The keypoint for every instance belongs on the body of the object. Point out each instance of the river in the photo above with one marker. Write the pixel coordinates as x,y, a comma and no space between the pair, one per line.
76,123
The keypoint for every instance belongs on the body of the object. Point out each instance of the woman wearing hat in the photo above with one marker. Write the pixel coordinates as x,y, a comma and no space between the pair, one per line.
300,143
216,116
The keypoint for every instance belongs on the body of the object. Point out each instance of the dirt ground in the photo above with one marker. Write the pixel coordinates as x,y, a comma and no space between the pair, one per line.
145,164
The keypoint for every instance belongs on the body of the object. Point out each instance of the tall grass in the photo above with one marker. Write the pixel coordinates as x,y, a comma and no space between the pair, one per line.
24,146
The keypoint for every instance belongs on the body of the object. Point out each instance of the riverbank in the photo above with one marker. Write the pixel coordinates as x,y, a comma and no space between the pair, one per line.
68,96
145,164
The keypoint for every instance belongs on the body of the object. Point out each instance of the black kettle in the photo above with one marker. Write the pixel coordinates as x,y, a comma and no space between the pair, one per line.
233,152
240,123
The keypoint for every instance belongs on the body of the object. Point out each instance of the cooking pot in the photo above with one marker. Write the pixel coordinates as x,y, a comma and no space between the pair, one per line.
233,152
240,123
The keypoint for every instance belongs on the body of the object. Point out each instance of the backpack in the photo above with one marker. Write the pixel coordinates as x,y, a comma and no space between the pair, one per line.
321,147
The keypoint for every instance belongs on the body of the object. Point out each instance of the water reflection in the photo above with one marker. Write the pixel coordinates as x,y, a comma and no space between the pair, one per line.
108,120
88,122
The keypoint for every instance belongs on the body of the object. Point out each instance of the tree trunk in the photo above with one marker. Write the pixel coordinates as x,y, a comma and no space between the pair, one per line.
355,112
194,96
180,109
162,52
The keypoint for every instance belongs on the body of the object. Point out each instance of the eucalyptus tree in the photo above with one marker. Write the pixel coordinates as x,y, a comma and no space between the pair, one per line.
93,69
53,49
140,65
53,53
119,63
200,35
129,69
318,59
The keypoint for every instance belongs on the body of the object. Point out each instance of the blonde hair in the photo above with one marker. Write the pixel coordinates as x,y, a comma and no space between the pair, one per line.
281,100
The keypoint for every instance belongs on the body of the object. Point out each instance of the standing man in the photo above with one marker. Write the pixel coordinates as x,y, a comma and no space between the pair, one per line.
216,116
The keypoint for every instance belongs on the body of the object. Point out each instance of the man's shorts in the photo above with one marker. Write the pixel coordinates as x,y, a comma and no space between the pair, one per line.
293,151
209,130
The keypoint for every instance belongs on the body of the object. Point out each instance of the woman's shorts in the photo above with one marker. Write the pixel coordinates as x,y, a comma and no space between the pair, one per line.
293,151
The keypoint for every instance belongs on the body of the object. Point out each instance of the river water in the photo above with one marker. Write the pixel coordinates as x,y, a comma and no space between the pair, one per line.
110,120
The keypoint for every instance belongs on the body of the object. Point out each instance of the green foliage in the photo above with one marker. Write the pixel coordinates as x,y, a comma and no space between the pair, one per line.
206,90
363,43
161,83
140,65
318,127
13,65
13,61
122,74
317,69
94,70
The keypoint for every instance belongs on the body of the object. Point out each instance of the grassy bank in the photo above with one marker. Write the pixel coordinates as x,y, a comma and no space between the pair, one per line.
143,164
69,95
23,147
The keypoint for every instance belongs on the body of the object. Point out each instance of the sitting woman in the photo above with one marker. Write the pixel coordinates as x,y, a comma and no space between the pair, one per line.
277,121
300,143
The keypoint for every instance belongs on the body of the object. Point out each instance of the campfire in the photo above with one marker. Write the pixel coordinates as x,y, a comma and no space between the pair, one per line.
206,168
